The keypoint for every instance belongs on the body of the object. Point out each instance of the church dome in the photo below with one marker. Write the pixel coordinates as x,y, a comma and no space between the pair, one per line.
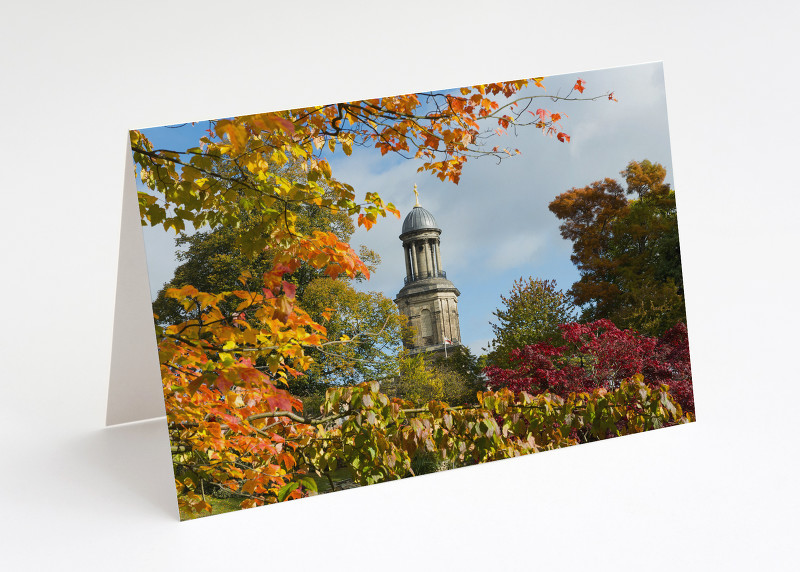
419,219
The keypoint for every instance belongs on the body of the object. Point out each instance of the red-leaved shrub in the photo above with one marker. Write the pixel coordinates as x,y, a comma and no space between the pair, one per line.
600,355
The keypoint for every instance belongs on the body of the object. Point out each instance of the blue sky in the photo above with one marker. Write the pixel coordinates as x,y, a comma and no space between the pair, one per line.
495,224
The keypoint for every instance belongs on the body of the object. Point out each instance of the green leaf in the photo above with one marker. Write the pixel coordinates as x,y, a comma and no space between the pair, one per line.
309,483
286,490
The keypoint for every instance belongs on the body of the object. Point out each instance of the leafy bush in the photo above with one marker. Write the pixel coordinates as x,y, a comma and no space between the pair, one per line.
376,438
600,355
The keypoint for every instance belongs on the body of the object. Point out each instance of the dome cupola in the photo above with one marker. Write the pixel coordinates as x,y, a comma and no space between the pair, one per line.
419,219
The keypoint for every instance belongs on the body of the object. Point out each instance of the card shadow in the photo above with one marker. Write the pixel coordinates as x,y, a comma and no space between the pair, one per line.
131,460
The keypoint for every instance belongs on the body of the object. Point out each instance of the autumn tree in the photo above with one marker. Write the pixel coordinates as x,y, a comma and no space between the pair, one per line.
232,421
598,355
213,261
625,244
531,313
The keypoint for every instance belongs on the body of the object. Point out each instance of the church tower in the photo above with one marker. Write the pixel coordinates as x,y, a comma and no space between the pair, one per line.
428,298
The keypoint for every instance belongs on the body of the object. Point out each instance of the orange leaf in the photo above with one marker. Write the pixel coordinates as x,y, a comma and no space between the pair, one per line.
222,384
285,124
249,503
283,308
365,222
196,383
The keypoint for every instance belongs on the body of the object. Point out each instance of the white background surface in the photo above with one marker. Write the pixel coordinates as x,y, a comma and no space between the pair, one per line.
719,494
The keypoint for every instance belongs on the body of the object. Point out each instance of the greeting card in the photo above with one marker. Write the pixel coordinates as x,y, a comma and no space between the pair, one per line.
358,292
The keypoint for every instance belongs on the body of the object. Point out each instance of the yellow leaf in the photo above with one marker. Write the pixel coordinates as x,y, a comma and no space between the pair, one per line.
326,168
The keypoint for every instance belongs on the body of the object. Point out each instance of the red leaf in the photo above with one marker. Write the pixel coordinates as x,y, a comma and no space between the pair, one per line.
579,85
289,289
563,137
279,402
281,269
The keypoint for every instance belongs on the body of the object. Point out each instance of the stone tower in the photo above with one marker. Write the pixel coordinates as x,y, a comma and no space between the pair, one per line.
428,298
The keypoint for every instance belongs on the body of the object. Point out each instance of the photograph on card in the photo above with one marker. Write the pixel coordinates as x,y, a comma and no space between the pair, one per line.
352,293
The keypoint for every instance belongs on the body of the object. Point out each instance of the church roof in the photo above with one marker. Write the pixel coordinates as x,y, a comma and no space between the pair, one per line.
419,219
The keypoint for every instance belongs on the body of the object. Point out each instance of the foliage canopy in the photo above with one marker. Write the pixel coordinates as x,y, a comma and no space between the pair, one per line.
626,249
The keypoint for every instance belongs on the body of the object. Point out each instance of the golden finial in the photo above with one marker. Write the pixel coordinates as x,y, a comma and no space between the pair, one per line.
416,194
